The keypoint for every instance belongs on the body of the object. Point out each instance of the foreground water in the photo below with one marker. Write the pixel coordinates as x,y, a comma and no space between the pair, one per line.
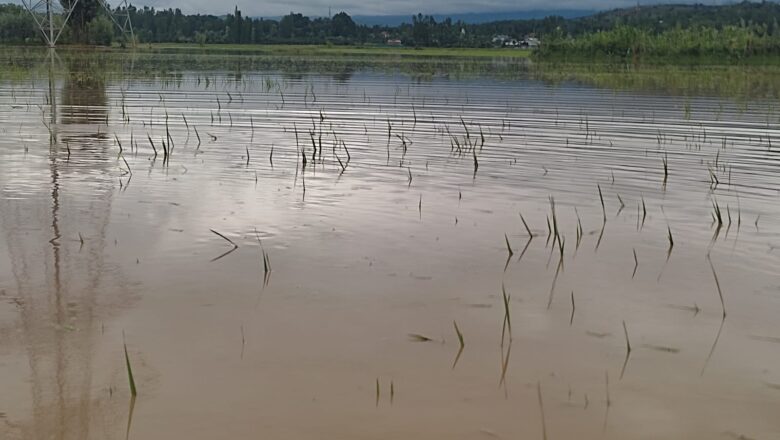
265,290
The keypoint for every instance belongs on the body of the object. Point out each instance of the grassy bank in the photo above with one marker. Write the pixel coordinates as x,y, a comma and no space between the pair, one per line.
313,50
696,45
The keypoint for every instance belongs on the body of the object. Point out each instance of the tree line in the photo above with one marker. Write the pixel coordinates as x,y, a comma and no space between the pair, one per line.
640,28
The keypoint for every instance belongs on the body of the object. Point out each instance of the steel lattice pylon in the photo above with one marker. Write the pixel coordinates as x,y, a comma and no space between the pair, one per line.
121,18
50,17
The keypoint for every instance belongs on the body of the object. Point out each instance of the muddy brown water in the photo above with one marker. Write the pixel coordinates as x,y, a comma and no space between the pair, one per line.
98,247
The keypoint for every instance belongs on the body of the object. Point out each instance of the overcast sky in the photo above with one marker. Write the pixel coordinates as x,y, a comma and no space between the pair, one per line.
383,7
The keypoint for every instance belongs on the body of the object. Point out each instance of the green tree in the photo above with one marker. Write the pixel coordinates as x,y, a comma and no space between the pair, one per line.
342,25
100,31
84,12
294,26
421,29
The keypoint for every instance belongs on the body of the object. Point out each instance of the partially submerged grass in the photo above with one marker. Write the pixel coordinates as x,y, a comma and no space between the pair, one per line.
527,228
717,284
460,335
508,247
235,246
507,315
130,379
416,337
460,341
541,409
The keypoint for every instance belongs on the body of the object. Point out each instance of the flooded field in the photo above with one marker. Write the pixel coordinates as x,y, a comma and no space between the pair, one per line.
292,248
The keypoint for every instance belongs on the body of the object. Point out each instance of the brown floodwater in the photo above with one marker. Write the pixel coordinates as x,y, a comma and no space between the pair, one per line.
261,294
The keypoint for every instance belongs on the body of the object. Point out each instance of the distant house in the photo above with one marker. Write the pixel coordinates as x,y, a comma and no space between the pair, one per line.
507,41
530,42
393,42
500,40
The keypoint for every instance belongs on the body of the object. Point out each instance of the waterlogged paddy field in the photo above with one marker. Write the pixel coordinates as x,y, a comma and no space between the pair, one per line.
290,249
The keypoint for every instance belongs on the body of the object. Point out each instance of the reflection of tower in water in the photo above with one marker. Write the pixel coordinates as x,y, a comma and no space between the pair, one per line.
54,215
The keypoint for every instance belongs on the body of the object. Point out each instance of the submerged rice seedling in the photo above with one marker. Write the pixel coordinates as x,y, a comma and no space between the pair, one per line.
622,205
666,169
508,247
460,335
603,207
235,246
628,342
571,319
717,284
507,316
541,409
131,380
530,234
460,341
416,337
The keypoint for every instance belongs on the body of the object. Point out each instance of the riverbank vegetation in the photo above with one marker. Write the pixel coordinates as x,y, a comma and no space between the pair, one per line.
632,43
734,33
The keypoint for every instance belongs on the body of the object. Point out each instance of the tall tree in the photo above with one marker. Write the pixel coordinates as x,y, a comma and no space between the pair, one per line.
83,13
342,25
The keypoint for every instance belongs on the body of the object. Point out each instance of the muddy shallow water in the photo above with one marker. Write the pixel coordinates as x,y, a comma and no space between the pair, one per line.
406,220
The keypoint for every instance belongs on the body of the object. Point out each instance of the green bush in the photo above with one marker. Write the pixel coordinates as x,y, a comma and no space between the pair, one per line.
100,31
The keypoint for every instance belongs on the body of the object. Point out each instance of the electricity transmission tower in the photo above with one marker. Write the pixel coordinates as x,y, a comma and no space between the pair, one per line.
51,17
121,18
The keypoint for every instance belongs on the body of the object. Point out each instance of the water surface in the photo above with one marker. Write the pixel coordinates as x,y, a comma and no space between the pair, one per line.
406,220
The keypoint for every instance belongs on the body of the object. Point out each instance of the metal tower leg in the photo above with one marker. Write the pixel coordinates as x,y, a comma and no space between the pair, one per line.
121,18
44,13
